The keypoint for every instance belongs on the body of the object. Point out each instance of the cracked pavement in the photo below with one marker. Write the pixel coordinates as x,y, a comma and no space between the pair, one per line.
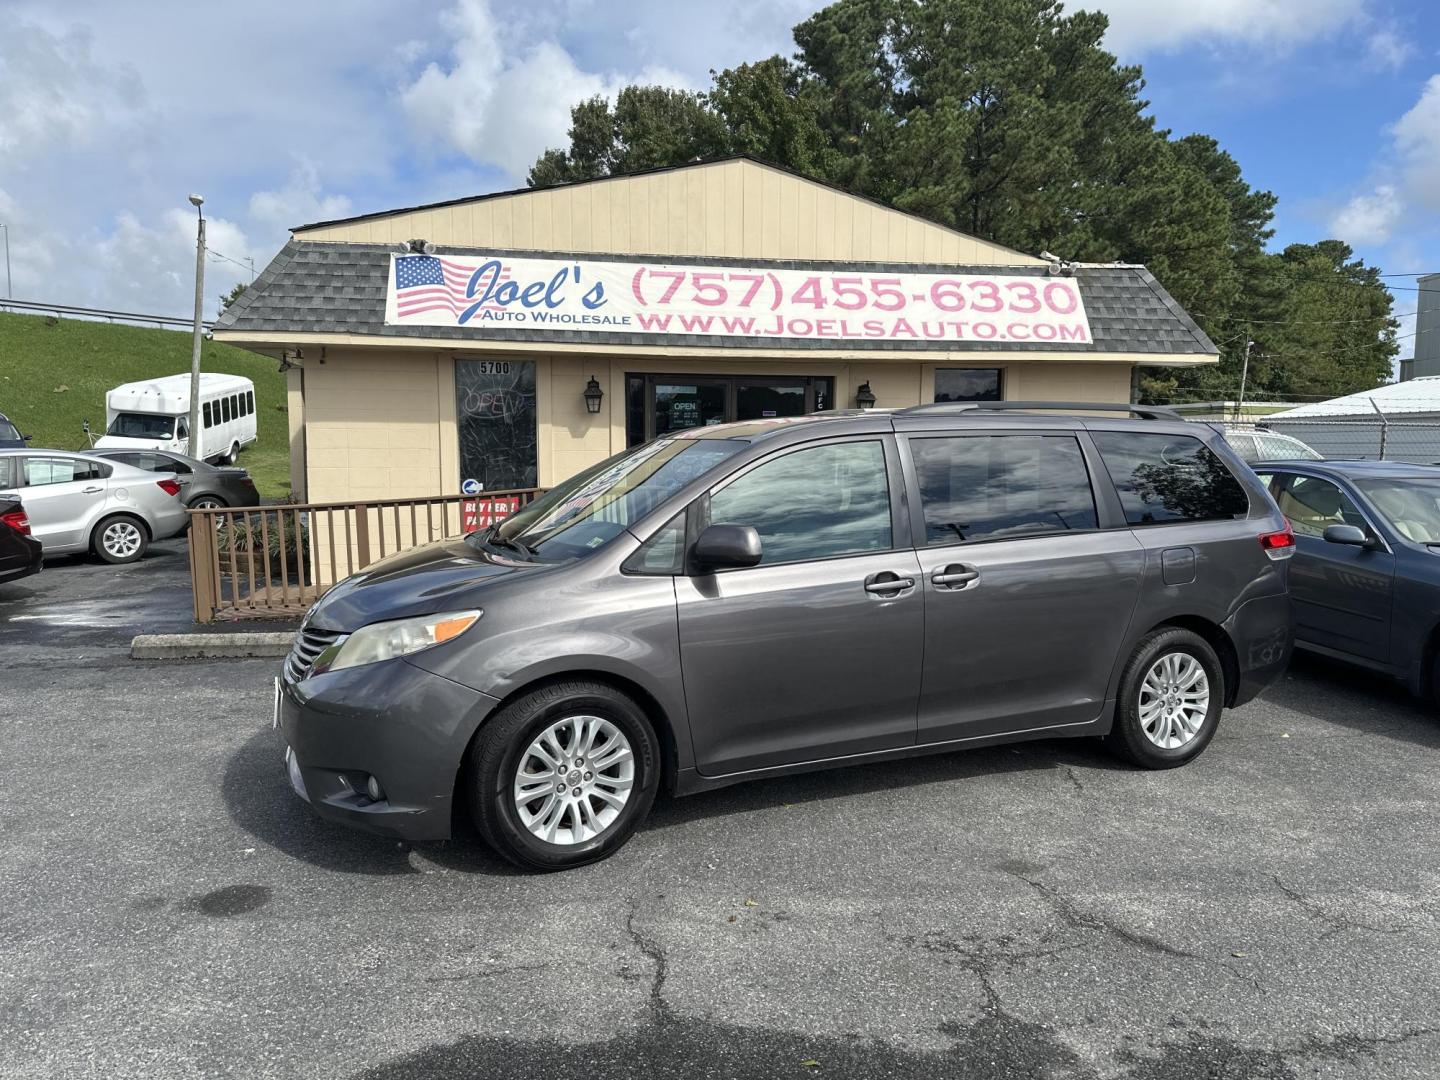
172,910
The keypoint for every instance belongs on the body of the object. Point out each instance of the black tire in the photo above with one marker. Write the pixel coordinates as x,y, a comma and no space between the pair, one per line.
109,549
1127,738
231,456
498,751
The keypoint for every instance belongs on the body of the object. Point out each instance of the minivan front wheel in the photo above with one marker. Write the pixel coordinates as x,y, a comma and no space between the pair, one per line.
1171,694
563,775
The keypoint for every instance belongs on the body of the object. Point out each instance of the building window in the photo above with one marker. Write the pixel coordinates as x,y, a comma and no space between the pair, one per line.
967,384
495,417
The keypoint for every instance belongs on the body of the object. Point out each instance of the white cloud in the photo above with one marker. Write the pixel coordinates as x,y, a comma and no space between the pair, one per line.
501,105
299,202
53,90
1137,26
1386,49
1417,145
1369,218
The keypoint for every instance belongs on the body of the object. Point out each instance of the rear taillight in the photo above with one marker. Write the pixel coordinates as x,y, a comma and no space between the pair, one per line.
170,487
17,520
1278,545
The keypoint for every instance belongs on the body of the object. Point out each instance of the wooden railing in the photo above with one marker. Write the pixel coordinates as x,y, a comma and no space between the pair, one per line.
275,561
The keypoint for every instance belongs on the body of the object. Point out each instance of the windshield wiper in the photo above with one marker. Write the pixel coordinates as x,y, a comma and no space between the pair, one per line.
492,536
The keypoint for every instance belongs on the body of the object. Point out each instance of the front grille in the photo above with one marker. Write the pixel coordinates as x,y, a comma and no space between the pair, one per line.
309,644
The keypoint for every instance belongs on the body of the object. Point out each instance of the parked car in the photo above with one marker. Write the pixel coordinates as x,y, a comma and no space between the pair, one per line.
1365,581
9,436
1258,445
202,485
20,553
79,503
761,598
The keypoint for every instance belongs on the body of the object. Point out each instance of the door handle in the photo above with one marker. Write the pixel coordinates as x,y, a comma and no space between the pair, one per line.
887,582
955,576
90,490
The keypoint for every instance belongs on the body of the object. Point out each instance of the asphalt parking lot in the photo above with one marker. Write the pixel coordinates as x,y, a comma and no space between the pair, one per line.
172,910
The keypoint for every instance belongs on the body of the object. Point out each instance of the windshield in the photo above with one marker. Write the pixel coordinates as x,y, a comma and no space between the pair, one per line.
1412,506
8,432
600,503
134,425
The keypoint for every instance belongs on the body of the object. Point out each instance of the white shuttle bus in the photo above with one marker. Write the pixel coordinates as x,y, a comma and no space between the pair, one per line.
155,415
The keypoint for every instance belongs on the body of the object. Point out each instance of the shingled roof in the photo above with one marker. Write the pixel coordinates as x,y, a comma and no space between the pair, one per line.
339,288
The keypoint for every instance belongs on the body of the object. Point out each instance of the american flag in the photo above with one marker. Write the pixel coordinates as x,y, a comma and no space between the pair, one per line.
427,283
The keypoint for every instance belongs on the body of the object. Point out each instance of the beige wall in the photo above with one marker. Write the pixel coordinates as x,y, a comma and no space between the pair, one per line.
732,209
381,424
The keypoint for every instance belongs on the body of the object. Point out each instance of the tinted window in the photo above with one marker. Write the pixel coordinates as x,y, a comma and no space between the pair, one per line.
1164,478
1312,505
249,402
135,460
7,431
205,414
813,504
967,384
225,410
1002,485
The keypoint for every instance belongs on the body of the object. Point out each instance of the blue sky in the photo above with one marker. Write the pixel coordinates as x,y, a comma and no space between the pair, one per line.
282,113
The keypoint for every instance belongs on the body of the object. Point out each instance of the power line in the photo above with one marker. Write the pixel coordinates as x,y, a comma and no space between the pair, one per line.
244,266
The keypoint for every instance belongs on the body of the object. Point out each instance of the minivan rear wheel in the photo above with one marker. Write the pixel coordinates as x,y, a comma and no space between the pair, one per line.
563,775
1171,694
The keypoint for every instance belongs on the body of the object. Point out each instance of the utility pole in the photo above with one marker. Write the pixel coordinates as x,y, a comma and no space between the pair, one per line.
9,295
1244,375
195,443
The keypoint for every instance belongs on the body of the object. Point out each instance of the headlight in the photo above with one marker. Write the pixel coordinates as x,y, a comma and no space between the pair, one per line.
399,637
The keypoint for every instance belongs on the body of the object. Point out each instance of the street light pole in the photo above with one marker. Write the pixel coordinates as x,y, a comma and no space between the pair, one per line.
195,442
9,295
1244,376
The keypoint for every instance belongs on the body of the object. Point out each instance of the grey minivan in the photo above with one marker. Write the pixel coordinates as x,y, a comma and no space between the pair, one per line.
753,599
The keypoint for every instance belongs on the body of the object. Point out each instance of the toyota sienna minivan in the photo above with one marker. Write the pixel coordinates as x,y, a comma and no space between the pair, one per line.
760,598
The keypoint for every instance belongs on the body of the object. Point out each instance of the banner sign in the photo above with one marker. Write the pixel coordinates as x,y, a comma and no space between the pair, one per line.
477,514
728,301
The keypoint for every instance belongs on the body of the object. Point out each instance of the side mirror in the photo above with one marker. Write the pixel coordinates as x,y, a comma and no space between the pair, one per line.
724,547
1350,535
26,438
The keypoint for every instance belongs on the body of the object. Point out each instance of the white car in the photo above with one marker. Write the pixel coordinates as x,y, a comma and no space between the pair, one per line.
1258,445
78,503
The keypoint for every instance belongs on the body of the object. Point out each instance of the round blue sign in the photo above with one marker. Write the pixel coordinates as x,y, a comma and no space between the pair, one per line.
470,487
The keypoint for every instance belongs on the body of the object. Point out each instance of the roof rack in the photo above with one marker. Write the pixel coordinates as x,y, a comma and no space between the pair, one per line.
1144,412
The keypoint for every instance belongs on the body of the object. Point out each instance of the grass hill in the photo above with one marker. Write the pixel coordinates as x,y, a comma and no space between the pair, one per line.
54,374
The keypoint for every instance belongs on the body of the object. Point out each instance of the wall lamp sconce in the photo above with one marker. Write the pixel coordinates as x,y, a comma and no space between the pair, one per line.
593,395
864,396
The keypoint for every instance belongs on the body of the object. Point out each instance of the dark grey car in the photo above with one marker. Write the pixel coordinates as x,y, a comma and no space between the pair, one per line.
1365,581
762,598
202,485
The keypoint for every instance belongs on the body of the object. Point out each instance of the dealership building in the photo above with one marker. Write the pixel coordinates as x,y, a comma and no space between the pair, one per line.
515,339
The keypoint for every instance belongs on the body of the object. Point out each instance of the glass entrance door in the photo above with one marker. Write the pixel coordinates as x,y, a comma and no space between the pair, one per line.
677,406
661,404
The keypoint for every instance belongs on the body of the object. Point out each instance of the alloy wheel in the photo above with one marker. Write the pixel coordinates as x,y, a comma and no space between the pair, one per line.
574,779
1174,700
122,539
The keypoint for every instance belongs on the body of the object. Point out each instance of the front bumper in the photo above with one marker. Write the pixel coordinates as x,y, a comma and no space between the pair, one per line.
405,727
1263,632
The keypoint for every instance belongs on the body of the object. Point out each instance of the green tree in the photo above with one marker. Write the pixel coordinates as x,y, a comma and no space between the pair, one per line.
228,298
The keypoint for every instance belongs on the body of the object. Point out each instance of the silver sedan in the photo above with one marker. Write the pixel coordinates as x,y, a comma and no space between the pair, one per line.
77,503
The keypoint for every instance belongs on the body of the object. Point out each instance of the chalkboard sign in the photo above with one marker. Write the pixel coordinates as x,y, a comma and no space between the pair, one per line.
495,415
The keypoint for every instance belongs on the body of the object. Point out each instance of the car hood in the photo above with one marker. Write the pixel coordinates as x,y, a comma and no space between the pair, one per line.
443,576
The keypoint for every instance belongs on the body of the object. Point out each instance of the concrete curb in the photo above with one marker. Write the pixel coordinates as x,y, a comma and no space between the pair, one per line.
209,646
